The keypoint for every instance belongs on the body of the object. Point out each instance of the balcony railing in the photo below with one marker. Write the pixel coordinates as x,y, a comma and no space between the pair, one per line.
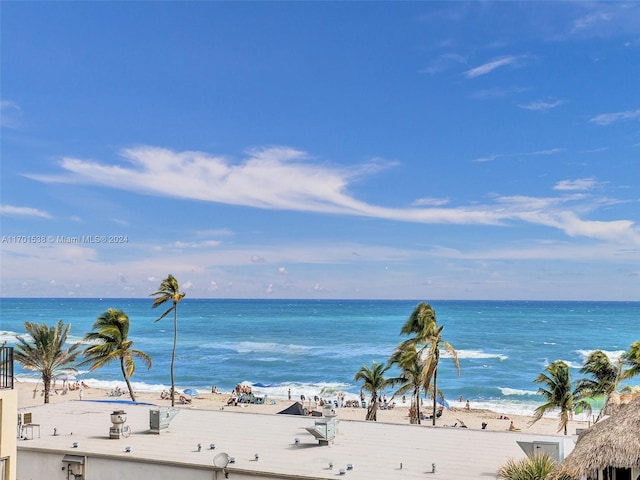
6,367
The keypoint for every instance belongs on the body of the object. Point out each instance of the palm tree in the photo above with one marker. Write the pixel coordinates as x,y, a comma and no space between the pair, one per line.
373,381
632,360
169,290
411,378
111,342
45,352
427,340
606,376
556,390
435,340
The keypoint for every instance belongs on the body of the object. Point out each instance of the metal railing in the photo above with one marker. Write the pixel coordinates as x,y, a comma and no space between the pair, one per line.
6,367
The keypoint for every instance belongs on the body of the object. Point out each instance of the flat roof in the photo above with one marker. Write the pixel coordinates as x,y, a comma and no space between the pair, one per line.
376,450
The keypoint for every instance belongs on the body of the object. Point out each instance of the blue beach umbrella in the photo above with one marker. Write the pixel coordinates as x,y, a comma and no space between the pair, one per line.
443,402
191,391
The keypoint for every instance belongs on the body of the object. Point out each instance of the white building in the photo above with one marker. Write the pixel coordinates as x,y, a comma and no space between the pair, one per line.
73,442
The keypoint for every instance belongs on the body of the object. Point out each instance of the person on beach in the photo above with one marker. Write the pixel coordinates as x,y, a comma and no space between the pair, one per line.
512,427
467,406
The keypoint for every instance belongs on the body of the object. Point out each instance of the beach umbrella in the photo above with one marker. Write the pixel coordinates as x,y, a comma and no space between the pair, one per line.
191,391
596,403
609,443
443,402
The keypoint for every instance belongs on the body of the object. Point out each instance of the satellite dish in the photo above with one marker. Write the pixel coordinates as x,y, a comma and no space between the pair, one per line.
221,460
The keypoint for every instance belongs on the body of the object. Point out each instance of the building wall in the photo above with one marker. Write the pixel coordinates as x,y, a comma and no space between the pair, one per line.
47,465
8,431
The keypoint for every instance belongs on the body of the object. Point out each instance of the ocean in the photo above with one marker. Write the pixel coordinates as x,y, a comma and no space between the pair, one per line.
314,347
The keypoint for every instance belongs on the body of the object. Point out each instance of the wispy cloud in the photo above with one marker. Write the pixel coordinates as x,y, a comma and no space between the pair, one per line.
608,118
23,211
431,202
580,184
281,178
541,105
10,114
494,156
443,63
591,20
492,65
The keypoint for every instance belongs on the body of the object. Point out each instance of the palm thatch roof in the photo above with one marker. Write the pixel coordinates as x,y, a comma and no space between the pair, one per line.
612,442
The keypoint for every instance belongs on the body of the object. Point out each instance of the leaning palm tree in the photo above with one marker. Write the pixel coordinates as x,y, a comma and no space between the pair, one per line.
433,355
169,291
110,340
373,381
605,378
44,351
428,340
556,390
632,361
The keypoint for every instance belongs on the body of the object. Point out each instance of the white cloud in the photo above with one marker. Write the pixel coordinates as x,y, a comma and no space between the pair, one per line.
443,63
430,202
23,211
492,65
608,118
572,185
281,178
541,105
10,114
490,158
202,244
591,20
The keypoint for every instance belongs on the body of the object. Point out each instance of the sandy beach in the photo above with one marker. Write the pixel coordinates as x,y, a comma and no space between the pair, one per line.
472,418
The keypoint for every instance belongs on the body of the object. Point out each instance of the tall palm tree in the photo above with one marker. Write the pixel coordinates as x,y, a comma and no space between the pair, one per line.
605,378
556,390
632,361
428,340
44,351
111,342
435,339
373,381
169,291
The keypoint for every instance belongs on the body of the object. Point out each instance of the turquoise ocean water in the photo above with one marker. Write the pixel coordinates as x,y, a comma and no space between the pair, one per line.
315,347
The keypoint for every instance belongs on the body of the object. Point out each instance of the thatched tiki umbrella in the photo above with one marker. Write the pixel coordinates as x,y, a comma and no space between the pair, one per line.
609,450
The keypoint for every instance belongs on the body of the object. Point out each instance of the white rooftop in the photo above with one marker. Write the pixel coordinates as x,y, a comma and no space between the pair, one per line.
376,450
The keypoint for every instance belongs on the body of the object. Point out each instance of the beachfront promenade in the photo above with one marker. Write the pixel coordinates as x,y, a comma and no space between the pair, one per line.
375,450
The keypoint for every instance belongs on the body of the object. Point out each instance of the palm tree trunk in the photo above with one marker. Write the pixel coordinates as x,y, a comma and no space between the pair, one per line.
372,411
126,379
46,382
416,410
173,353
435,390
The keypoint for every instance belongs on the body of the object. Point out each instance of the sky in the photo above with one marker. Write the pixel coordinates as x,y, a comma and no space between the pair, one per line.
343,150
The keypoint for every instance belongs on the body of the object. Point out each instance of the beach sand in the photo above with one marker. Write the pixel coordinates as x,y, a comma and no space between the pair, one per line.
472,418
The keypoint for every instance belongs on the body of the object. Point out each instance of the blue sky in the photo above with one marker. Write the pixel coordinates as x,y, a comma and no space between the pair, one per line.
415,150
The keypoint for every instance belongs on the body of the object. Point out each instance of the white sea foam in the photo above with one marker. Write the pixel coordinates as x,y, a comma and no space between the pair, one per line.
7,336
473,354
515,391
572,364
613,355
